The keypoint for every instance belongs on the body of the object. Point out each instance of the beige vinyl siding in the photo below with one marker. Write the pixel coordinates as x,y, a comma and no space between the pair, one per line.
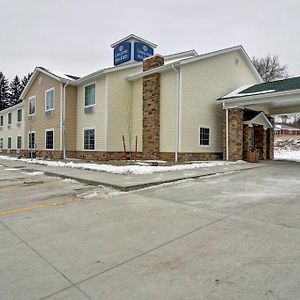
71,118
137,114
202,83
40,121
13,130
95,120
168,97
119,110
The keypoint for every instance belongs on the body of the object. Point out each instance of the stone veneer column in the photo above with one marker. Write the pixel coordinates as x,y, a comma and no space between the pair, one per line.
151,108
270,140
235,128
247,141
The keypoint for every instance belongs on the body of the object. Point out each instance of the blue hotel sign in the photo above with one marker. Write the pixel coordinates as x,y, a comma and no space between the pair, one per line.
141,51
122,53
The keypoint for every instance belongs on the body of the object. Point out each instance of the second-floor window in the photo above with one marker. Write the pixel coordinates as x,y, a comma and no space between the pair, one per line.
32,106
1,121
9,119
19,115
49,99
90,95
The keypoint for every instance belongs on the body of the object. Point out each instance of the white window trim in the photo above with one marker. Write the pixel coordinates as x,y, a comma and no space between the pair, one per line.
89,128
21,115
91,83
209,140
47,130
52,89
9,137
10,118
32,131
17,142
29,99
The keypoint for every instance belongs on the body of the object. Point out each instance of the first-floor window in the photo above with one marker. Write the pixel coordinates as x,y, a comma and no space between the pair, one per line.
19,142
31,140
49,139
89,139
9,143
204,136
1,143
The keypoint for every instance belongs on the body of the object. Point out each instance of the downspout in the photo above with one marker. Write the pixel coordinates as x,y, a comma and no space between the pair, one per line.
227,135
63,120
177,110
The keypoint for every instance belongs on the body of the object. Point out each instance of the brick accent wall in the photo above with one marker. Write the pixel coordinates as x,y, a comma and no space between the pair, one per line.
170,156
235,128
151,108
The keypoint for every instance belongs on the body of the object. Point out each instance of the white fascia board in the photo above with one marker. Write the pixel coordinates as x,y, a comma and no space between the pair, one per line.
133,36
258,99
185,54
103,72
262,115
149,72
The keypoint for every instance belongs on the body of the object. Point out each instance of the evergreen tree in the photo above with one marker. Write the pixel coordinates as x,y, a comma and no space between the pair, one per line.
4,92
15,88
25,80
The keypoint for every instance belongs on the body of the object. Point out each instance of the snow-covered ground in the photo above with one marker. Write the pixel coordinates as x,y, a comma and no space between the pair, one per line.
287,155
128,169
287,148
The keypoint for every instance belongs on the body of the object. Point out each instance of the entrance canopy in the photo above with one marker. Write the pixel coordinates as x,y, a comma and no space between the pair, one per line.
259,119
276,97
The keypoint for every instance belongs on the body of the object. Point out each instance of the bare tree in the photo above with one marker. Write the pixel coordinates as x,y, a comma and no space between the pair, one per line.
270,68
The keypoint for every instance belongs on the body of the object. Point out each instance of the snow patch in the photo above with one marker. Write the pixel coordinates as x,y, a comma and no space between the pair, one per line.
128,169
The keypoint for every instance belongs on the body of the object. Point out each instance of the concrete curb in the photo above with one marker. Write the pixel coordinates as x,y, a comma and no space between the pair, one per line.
133,186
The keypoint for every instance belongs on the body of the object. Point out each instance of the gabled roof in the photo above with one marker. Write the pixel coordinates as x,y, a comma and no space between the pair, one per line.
272,87
101,72
133,36
64,78
259,119
8,109
196,58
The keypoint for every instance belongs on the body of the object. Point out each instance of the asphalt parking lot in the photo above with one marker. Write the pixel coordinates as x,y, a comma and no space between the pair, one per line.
235,236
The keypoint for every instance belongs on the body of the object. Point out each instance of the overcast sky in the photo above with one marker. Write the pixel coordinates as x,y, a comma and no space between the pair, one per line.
74,36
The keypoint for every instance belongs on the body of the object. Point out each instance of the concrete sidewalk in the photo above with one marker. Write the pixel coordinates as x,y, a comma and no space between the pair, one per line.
127,182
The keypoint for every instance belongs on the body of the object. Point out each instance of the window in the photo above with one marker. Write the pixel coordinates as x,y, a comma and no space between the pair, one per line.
19,142
9,143
49,139
49,99
32,105
1,121
204,136
9,119
1,143
89,139
89,94
31,140
19,115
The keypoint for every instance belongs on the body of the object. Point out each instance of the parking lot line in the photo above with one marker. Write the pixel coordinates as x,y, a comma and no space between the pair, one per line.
24,209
